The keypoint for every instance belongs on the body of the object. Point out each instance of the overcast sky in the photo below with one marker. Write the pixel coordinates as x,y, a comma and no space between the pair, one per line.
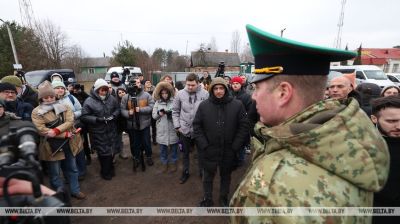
97,26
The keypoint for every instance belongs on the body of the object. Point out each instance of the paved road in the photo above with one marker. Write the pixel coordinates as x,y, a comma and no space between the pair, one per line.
147,189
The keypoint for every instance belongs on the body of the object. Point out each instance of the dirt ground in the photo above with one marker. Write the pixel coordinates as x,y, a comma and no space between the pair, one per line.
147,189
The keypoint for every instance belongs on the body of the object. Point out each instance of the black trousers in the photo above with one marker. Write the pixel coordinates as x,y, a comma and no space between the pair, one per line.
225,180
187,143
106,166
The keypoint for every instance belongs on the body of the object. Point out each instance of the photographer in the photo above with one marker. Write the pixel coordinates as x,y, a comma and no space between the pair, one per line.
18,160
99,113
137,107
221,70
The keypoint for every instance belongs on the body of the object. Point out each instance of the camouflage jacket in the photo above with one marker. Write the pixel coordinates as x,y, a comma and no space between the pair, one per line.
329,155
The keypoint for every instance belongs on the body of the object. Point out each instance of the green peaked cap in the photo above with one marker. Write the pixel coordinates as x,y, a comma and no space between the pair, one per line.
291,57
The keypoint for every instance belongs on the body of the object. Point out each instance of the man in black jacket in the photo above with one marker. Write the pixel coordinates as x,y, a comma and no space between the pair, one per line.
220,129
386,116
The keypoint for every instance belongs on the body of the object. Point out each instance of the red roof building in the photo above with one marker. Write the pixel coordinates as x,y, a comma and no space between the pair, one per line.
386,58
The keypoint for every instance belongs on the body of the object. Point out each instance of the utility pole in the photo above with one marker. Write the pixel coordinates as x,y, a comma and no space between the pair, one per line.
338,40
16,65
187,42
282,31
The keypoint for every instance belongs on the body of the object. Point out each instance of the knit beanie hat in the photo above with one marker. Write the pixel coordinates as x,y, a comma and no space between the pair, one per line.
237,79
57,83
45,89
56,76
389,87
99,83
114,75
12,79
7,86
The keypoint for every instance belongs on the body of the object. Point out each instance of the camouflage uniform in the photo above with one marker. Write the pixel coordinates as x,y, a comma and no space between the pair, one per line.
329,155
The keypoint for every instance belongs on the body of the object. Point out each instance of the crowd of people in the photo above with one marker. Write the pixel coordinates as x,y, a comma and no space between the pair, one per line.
308,149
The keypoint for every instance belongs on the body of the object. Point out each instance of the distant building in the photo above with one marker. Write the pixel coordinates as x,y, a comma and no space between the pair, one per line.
388,59
96,65
208,61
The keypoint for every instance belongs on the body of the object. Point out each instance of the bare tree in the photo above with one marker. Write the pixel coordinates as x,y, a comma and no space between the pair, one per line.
74,58
246,55
212,46
235,43
53,41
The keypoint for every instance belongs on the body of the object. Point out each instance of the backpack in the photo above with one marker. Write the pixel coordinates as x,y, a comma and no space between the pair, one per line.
72,99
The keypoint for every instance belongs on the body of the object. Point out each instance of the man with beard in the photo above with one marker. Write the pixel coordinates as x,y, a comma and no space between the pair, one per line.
386,117
219,138
13,104
116,83
24,92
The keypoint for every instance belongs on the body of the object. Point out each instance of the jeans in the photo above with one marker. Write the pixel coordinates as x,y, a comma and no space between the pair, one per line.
164,154
71,172
81,163
141,142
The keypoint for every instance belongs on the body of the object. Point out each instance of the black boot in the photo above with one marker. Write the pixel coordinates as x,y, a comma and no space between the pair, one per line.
206,202
223,201
184,177
106,167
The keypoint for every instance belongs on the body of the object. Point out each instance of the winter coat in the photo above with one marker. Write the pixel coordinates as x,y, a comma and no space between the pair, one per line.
185,107
145,103
73,103
20,108
40,122
82,96
166,134
390,195
103,136
115,87
220,128
244,97
30,96
328,155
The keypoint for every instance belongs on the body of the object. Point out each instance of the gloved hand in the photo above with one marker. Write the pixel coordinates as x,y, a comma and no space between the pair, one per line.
101,119
110,118
68,134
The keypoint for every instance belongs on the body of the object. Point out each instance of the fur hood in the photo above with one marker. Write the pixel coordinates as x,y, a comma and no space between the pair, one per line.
163,85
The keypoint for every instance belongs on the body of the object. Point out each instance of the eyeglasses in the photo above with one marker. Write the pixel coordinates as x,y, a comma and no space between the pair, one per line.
9,92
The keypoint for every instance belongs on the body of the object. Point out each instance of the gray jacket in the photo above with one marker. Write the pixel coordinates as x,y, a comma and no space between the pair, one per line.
185,107
166,134
145,102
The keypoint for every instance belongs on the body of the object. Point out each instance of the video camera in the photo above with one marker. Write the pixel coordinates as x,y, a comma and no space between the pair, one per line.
18,159
220,70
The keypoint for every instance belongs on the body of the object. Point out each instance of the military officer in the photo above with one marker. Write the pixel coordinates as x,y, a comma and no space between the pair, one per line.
307,152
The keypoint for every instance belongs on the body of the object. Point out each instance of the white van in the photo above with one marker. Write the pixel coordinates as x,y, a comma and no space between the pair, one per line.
365,73
134,72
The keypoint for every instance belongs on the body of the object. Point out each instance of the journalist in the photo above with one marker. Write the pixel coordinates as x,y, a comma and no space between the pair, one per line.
99,113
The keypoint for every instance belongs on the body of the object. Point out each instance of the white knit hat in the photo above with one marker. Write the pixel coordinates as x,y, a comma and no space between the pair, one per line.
99,83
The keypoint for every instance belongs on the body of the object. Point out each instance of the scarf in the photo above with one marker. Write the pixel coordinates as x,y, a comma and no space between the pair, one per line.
56,106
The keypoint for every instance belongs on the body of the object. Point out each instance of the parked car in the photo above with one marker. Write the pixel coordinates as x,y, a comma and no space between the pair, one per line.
394,77
34,78
134,71
365,73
